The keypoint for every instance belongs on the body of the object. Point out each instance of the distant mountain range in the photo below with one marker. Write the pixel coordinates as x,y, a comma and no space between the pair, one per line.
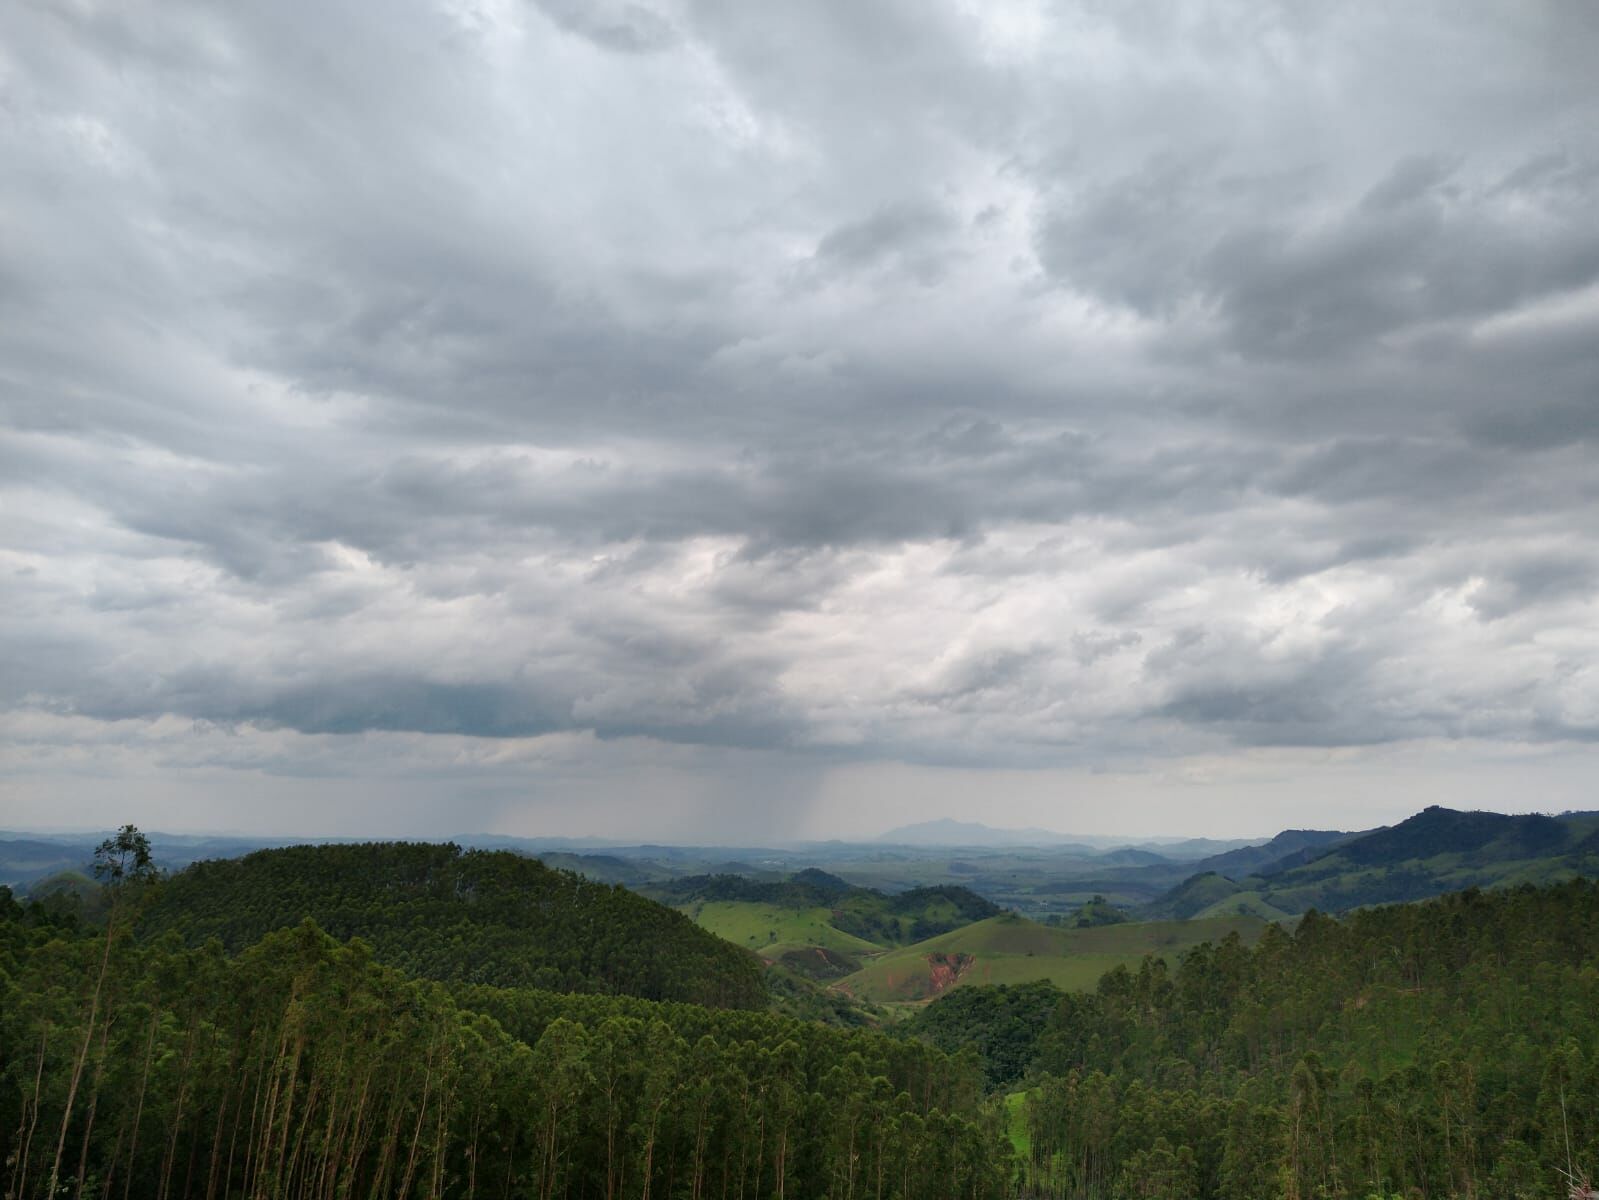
1280,852
1132,851
1436,851
947,832
26,858
1035,871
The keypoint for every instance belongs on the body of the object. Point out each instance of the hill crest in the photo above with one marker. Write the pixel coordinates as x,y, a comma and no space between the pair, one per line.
1435,851
479,916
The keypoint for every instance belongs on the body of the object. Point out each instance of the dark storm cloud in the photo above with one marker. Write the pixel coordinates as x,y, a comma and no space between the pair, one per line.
903,236
1420,245
1534,579
855,379
1539,426
626,28
1131,239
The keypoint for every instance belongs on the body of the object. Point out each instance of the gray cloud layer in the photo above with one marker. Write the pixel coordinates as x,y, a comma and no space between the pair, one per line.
1030,385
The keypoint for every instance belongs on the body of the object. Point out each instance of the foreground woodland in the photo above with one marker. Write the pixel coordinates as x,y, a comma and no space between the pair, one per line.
1438,1049
138,1065
205,1037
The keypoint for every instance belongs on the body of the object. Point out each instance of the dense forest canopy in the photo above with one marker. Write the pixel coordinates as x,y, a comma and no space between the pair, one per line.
142,1066
165,1049
1446,1048
480,916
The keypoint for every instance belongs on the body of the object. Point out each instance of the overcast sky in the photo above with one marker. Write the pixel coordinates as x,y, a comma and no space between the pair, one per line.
715,421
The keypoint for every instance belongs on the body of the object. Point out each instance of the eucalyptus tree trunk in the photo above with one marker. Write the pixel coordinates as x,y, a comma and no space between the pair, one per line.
83,1054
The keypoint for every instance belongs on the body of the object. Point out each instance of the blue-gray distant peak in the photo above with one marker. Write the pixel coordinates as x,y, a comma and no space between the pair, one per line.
947,832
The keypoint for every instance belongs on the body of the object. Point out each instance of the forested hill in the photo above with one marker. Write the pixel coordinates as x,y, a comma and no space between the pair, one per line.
437,912
1288,847
301,1068
1481,837
1436,851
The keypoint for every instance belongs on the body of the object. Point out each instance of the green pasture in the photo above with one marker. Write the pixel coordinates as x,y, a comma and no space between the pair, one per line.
772,928
1010,949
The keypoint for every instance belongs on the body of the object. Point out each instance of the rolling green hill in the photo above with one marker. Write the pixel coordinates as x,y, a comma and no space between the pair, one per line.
1012,950
1191,897
1243,904
476,916
1098,911
772,929
815,909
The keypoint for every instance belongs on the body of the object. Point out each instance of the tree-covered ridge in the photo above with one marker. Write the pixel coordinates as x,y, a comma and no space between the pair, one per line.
885,919
923,1071
793,892
437,912
302,1068
1436,851
1286,848
1445,1048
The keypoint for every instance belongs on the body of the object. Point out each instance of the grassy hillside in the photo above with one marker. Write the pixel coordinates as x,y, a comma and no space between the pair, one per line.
1012,950
1192,897
907,917
476,916
813,909
772,929
1251,904
1096,912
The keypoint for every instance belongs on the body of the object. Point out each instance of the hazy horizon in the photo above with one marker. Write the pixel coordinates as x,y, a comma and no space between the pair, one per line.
719,422
1100,840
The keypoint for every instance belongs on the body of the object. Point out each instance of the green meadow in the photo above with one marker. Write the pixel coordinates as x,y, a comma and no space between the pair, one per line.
772,928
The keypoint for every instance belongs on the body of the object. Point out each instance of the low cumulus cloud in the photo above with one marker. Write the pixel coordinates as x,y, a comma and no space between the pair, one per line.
862,383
